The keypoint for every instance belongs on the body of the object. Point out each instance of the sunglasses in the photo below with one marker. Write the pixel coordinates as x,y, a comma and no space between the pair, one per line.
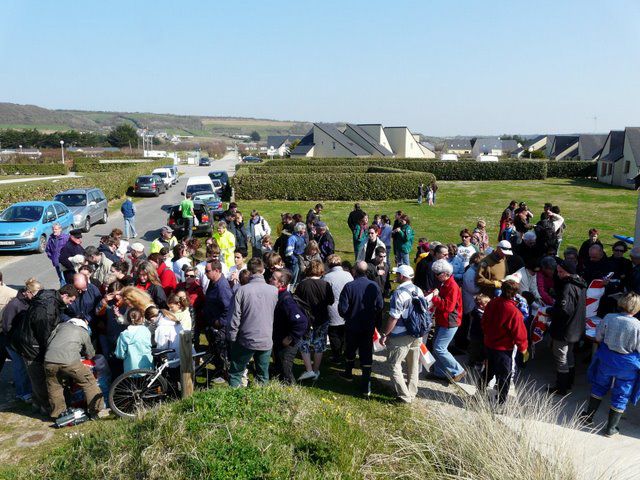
465,236
192,276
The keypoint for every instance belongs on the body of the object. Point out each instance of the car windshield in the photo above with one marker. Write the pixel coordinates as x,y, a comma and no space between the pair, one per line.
161,174
22,213
219,175
72,199
206,197
144,180
199,188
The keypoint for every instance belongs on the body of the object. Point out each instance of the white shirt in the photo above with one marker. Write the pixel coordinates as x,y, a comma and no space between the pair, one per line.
202,276
529,282
465,253
177,267
167,336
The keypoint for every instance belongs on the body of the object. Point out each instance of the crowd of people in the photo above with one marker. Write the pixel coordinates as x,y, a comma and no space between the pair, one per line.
294,295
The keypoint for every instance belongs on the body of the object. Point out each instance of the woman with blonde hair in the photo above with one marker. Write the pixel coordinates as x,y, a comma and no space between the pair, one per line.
14,307
616,364
147,279
165,329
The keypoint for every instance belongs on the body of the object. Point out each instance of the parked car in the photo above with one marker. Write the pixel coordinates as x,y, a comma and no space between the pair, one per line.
202,213
28,225
165,174
205,162
220,175
251,159
213,201
149,185
174,171
88,206
217,186
199,184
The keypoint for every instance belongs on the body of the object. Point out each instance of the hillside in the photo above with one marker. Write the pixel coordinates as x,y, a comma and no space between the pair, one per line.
30,116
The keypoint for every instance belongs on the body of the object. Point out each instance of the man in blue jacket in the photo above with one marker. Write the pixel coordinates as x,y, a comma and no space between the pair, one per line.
289,326
295,248
217,304
360,303
128,210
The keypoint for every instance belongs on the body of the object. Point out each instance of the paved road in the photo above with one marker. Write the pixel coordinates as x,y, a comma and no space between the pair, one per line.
151,216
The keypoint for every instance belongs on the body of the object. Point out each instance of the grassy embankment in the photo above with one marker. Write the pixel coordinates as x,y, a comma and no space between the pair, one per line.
583,203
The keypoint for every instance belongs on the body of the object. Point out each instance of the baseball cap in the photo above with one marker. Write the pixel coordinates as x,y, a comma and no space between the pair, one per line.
166,228
569,267
404,270
138,247
321,225
76,233
505,246
514,277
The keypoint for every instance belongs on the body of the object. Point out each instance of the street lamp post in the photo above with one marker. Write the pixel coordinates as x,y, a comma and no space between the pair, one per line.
20,147
530,152
62,150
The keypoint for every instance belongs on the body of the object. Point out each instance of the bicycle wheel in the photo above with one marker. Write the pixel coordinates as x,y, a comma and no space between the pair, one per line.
134,391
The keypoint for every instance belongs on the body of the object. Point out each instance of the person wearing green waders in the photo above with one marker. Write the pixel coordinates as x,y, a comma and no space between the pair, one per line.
186,207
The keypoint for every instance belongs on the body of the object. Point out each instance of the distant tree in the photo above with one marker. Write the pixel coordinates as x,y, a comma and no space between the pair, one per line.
255,136
123,136
293,145
536,154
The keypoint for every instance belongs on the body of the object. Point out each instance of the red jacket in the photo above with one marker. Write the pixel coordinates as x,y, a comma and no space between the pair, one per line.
503,326
167,279
448,304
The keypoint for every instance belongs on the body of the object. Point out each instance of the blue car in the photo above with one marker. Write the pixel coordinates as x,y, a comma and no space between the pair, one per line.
213,202
28,225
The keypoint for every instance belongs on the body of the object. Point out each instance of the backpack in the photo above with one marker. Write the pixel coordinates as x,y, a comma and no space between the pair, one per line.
418,322
546,233
306,309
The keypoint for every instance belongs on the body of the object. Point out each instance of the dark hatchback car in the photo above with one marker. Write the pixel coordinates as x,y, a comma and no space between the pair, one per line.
251,159
220,175
149,185
204,162
203,214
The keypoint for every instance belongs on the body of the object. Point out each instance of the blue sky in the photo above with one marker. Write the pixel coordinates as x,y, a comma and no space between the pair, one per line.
439,67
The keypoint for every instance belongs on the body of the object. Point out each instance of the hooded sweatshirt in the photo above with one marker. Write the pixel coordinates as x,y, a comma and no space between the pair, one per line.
134,347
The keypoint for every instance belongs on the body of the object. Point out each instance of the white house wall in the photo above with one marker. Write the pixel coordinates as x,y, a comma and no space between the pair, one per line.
326,147
377,133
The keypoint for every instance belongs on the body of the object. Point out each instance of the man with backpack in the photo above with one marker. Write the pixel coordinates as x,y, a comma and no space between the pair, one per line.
403,333
360,302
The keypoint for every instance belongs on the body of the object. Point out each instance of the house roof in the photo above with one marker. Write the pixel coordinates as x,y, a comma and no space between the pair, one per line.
533,140
369,140
633,136
276,141
562,143
305,144
458,144
428,145
616,146
591,145
509,145
342,139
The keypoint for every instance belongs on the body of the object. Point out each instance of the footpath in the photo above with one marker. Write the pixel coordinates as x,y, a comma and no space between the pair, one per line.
38,179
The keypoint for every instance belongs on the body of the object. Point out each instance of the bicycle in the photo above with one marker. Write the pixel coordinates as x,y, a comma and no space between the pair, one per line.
143,388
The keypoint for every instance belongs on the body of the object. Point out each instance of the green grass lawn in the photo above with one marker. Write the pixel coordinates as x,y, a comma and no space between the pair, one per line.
583,203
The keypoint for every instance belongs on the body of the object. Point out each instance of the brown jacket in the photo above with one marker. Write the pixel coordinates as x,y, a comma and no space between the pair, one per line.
490,274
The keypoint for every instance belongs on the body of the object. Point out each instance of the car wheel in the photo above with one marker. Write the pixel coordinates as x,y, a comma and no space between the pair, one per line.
157,194
42,244
105,217
87,225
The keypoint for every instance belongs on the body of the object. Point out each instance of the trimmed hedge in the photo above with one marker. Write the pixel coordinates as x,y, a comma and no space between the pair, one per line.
277,170
328,186
33,169
114,186
572,169
92,165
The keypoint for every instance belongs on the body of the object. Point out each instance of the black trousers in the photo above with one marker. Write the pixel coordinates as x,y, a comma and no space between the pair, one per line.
336,339
361,342
499,365
283,358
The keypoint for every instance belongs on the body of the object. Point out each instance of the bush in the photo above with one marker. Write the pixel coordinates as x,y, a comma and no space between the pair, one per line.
33,169
93,165
114,186
571,169
329,185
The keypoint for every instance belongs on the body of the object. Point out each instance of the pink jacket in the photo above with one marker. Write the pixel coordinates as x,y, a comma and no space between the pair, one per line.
545,284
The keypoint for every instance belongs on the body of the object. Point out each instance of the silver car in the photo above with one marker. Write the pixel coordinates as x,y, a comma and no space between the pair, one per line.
88,206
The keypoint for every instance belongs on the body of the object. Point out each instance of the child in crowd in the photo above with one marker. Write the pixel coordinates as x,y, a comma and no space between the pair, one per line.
476,337
167,330
134,344
179,307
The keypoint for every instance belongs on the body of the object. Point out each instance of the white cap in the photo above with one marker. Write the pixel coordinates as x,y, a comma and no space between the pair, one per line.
404,270
138,247
505,246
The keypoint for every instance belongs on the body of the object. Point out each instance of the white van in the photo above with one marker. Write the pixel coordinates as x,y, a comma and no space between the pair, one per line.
199,184
165,174
487,158
449,157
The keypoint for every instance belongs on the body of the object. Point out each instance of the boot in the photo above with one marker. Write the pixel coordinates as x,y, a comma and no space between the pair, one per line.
560,388
348,370
612,425
571,378
592,408
366,382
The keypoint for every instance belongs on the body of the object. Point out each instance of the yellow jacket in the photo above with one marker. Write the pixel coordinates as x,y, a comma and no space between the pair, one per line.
227,244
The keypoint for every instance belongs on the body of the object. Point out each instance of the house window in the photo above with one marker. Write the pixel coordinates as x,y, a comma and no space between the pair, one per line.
334,145
603,169
610,168
627,165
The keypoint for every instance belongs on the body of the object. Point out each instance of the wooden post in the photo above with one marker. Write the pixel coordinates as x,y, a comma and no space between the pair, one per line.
186,363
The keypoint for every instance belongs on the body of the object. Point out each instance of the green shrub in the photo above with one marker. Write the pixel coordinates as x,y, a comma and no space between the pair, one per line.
92,165
571,169
329,185
114,186
507,170
33,169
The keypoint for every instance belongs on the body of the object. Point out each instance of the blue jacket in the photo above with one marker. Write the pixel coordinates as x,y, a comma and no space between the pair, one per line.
295,246
85,305
54,247
127,209
360,302
288,320
134,347
217,301
626,368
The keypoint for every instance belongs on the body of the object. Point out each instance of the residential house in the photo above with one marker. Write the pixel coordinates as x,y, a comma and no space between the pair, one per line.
458,146
536,143
281,143
493,146
405,144
590,146
326,141
619,160
367,142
